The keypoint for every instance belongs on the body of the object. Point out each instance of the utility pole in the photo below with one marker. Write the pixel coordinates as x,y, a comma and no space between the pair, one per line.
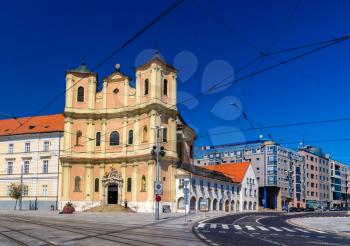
157,151
20,198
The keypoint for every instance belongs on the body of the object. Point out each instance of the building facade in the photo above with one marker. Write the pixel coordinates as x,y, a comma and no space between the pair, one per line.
29,151
230,187
318,177
339,184
279,171
109,135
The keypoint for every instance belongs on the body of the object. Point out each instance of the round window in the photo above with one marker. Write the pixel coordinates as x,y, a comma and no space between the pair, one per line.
116,91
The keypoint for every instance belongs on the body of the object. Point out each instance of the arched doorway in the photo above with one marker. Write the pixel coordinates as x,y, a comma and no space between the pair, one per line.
181,203
250,205
254,206
113,194
193,203
232,205
200,201
237,206
245,205
215,204
227,204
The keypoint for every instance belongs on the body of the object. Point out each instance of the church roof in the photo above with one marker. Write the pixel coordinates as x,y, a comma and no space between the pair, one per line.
156,59
83,69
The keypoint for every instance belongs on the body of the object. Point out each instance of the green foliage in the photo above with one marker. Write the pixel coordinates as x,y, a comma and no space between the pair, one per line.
15,191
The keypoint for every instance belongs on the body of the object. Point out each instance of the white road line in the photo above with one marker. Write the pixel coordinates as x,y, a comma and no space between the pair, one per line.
212,226
322,232
262,228
287,229
237,227
274,228
224,226
250,228
301,230
201,225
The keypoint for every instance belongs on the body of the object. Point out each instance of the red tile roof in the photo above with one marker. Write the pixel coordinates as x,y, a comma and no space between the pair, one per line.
37,124
235,171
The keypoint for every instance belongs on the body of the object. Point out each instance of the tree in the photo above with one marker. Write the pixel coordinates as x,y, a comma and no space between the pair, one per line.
15,192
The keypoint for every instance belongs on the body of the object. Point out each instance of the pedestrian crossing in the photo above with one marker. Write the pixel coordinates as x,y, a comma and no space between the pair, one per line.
251,228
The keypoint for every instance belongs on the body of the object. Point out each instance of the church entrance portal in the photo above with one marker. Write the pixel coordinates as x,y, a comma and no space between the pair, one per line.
113,194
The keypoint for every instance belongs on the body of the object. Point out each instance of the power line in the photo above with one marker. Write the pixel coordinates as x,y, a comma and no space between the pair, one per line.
164,13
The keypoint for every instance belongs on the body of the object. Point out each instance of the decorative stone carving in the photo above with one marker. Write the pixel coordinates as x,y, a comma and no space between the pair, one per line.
112,177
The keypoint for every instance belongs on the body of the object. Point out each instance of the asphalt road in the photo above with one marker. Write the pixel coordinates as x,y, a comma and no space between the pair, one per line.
265,229
31,231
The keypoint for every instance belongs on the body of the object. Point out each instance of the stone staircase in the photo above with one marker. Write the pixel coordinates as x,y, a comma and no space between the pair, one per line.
110,209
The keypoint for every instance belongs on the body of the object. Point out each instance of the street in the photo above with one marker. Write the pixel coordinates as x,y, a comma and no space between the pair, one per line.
29,230
266,229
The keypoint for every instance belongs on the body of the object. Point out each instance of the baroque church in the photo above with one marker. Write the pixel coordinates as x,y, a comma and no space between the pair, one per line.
109,134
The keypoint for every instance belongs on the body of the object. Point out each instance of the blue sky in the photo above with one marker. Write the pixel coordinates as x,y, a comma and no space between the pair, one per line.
40,40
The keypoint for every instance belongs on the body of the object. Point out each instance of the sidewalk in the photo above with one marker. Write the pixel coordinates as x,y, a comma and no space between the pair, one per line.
339,225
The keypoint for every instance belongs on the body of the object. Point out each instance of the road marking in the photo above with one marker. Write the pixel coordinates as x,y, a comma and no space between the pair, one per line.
201,225
262,228
237,227
212,226
287,229
224,226
250,228
301,230
322,232
274,228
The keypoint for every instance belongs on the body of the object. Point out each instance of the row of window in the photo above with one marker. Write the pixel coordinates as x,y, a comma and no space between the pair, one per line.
81,90
46,147
114,137
26,166
25,191
215,186
77,184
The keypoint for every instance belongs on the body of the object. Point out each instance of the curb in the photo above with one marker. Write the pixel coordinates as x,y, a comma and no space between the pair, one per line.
340,233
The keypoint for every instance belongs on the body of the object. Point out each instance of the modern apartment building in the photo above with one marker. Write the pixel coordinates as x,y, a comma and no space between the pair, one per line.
279,171
318,177
339,184
29,148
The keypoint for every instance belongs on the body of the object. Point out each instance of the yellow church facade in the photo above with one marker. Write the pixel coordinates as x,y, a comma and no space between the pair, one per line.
109,134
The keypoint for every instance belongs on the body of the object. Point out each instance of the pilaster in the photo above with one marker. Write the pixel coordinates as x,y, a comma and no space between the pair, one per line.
69,93
150,181
88,182
101,174
138,87
134,182
123,172
66,181
124,140
92,93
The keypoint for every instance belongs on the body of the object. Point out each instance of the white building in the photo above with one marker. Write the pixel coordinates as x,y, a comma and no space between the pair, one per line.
230,187
31,147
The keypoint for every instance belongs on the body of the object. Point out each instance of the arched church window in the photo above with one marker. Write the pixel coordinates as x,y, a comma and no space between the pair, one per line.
128,185
98,138
131,137
97,184
146,86
80,94
165,87
143,183
77,182
114,138
78,138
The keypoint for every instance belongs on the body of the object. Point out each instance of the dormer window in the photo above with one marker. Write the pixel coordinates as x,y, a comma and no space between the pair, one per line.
80,95
146,87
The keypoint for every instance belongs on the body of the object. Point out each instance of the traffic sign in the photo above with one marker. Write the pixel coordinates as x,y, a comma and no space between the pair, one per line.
158,187
158,198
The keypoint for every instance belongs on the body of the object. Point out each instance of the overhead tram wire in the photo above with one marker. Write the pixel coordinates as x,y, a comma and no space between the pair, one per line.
220,84
164,13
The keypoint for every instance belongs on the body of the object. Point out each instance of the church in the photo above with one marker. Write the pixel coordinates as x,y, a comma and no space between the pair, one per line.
109,134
